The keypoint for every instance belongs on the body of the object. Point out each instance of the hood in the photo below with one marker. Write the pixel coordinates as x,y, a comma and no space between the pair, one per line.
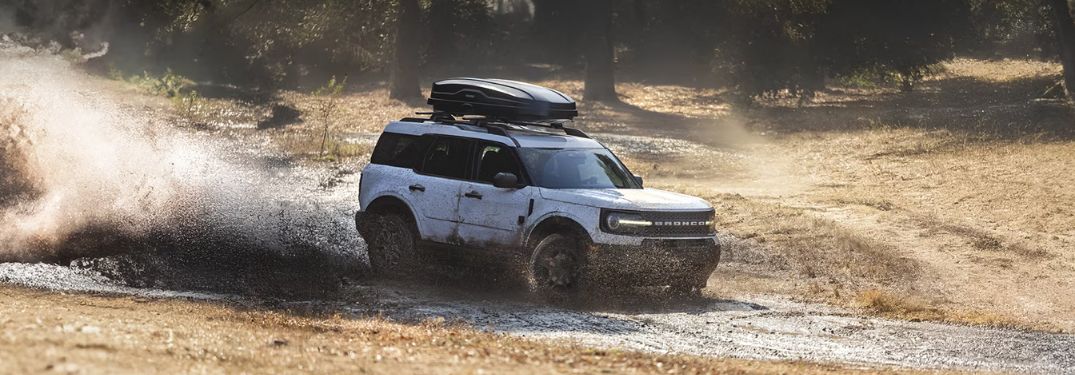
627,199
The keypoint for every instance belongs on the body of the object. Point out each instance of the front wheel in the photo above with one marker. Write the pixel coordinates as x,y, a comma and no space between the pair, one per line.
556,267
392,245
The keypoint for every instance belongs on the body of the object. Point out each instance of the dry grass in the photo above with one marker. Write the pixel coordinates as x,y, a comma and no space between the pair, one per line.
984,240
918,308
818,259
358,112
46,332
967,211
1006,70
308,146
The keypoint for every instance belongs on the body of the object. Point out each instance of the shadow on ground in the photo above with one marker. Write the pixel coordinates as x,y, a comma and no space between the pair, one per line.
969,106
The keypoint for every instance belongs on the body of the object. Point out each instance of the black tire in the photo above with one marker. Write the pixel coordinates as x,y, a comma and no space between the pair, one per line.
392,245
556,267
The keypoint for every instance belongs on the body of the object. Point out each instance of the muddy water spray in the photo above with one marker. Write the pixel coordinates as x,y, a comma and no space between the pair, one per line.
77,162
85,176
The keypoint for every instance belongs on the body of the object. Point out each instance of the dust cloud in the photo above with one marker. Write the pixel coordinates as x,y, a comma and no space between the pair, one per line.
82,175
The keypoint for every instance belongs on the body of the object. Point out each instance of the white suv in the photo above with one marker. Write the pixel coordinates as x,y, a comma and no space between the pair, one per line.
534,193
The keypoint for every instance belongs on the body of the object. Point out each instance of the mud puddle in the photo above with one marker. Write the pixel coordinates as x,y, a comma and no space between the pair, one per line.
759,327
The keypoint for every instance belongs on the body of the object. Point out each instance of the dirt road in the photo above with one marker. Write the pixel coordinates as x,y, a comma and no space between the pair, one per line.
768,328
759,328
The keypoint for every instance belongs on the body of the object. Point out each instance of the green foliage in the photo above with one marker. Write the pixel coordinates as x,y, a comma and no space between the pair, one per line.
877,77
759,47
332,88
304,38
906,37
458,29
771,46
178,89
186,104
1011,27
251,42
170,84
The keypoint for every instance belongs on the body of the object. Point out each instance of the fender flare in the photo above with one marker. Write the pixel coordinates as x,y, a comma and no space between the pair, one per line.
555,215
418,223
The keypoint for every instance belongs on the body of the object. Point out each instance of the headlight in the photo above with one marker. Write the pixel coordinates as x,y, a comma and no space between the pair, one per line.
624,222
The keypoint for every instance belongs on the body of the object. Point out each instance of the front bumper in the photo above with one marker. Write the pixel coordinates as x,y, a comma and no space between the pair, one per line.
654,262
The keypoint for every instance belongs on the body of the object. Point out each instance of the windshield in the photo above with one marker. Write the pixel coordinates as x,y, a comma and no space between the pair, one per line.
576,169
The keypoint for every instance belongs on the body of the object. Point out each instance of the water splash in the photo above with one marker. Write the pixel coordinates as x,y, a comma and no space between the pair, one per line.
87,175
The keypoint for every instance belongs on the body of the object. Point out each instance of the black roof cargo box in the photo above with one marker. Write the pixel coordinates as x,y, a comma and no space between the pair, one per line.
502,99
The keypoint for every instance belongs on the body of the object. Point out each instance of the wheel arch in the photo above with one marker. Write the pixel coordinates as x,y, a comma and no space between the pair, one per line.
393,204
555,223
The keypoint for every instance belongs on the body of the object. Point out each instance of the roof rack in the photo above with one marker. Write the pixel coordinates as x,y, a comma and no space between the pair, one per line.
500,105
496,126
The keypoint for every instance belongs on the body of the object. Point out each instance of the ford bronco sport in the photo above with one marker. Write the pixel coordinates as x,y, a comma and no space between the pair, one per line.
494,170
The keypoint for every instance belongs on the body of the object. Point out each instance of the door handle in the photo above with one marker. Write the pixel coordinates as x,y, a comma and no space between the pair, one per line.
417,187
473,194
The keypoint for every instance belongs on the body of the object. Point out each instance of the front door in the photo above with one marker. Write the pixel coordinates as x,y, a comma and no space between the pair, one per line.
492,216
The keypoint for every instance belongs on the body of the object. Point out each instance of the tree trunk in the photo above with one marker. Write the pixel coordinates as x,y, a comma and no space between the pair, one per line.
1065,35
404,85
600,78
442,19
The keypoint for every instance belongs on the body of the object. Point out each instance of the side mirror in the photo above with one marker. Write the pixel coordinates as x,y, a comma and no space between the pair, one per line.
638,179
506,180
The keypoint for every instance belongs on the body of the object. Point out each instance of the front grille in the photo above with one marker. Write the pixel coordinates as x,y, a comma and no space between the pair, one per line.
678,224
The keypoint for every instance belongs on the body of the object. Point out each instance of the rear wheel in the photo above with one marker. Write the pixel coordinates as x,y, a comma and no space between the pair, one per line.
392,245
556,266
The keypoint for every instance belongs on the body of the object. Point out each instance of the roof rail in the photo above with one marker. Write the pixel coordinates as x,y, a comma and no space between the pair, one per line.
558,125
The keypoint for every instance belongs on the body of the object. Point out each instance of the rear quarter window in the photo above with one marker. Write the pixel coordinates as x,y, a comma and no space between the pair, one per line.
399,150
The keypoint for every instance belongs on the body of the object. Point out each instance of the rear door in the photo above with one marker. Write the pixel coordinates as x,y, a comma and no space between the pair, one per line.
492,216
436,187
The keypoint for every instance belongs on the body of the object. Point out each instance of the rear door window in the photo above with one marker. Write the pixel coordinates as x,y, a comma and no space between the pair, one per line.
448,157
399,150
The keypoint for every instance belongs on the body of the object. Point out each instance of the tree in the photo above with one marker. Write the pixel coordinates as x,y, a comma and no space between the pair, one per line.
674,40
1065,37
906,37
769,47
600,77
459,31
404,84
